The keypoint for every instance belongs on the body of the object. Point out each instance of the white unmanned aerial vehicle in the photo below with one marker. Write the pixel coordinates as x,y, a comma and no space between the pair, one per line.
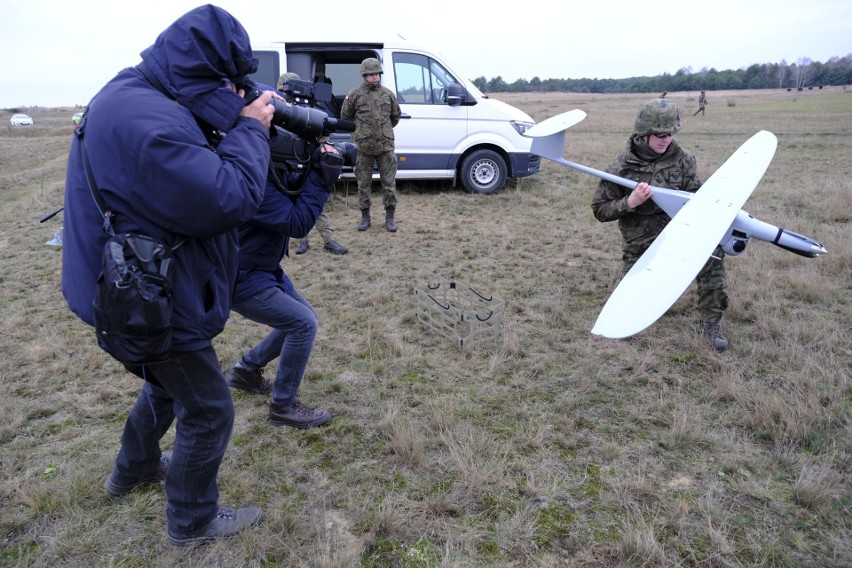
700,221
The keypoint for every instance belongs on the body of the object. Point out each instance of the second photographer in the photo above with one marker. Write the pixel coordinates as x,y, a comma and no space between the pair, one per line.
264,294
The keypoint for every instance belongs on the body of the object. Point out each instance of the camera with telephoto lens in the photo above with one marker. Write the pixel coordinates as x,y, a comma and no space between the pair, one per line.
299,126
306,93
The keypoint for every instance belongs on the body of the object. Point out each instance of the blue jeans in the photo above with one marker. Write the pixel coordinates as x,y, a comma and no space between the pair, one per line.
188,386
294,324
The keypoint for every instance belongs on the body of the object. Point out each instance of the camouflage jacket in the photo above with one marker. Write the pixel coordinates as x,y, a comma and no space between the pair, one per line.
675,169
375,110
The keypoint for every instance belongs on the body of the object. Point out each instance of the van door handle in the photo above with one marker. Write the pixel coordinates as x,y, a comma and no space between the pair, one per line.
405,115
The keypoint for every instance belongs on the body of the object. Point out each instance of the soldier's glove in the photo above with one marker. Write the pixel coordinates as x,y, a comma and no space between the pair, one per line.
327,165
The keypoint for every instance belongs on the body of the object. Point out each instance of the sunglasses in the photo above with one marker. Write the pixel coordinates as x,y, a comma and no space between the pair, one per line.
663,136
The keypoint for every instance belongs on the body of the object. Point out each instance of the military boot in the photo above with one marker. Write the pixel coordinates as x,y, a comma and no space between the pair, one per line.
390,224
335,248
303,247
713,331
365,220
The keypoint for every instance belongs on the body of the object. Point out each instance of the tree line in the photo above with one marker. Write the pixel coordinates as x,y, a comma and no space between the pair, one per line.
802,74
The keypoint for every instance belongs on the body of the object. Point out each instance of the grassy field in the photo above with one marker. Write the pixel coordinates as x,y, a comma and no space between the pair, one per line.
552,448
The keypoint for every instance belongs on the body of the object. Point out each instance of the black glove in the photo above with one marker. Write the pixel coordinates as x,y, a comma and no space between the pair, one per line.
327,165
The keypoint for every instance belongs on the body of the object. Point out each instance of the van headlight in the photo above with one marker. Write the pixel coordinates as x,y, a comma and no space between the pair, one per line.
521,127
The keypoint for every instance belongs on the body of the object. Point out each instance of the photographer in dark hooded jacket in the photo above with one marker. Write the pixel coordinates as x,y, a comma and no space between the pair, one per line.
177,155
265,294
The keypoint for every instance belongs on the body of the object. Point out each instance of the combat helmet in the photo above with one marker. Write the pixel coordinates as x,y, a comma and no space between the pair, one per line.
371,65
657,116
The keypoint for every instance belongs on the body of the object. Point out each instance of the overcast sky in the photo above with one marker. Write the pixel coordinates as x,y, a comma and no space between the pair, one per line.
60,52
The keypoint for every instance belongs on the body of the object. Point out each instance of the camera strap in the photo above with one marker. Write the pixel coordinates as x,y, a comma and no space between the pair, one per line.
280,186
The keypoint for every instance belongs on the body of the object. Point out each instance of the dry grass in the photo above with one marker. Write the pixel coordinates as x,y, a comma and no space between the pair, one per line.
555,448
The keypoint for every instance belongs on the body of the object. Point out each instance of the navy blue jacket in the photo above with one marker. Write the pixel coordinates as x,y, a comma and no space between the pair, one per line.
158,170
264,240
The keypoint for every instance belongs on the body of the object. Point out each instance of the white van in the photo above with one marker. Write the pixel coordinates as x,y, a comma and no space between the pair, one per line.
448,130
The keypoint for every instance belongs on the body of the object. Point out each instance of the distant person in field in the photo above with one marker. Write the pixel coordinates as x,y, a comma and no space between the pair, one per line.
702,103
653,157
664,94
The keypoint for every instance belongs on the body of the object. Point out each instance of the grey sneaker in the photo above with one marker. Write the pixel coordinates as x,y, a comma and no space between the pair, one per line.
227,522
154,476
713,331
248,381
297,415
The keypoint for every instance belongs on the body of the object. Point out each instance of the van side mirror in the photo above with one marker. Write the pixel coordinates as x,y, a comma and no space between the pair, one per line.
455,94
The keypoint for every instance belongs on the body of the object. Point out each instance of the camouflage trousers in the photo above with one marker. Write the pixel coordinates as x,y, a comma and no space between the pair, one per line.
712,282
324,228
387,176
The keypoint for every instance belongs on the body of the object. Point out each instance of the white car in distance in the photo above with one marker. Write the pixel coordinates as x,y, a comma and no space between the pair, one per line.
21,120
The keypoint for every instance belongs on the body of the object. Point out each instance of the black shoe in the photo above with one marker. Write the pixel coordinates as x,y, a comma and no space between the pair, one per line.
297,415
248,381
334,248
153,476
303,247
227,522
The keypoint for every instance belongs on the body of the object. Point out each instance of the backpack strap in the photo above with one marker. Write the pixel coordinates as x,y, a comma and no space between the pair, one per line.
105,211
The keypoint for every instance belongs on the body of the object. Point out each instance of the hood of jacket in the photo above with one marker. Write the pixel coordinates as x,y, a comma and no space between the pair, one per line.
194,56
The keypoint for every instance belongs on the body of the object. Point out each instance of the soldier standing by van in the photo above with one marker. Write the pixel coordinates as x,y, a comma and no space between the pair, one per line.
376,112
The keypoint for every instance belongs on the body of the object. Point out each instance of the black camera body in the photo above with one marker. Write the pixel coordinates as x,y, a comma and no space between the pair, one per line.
294,153
299,115
299,126
307,93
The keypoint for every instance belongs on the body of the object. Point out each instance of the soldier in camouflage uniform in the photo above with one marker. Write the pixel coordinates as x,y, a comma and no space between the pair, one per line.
323,223
376,112
653,157
702,103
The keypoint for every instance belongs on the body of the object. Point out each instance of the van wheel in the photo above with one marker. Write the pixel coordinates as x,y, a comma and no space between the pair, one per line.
484,171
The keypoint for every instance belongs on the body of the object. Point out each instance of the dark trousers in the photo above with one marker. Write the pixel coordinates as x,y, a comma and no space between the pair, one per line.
291,340
188,387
